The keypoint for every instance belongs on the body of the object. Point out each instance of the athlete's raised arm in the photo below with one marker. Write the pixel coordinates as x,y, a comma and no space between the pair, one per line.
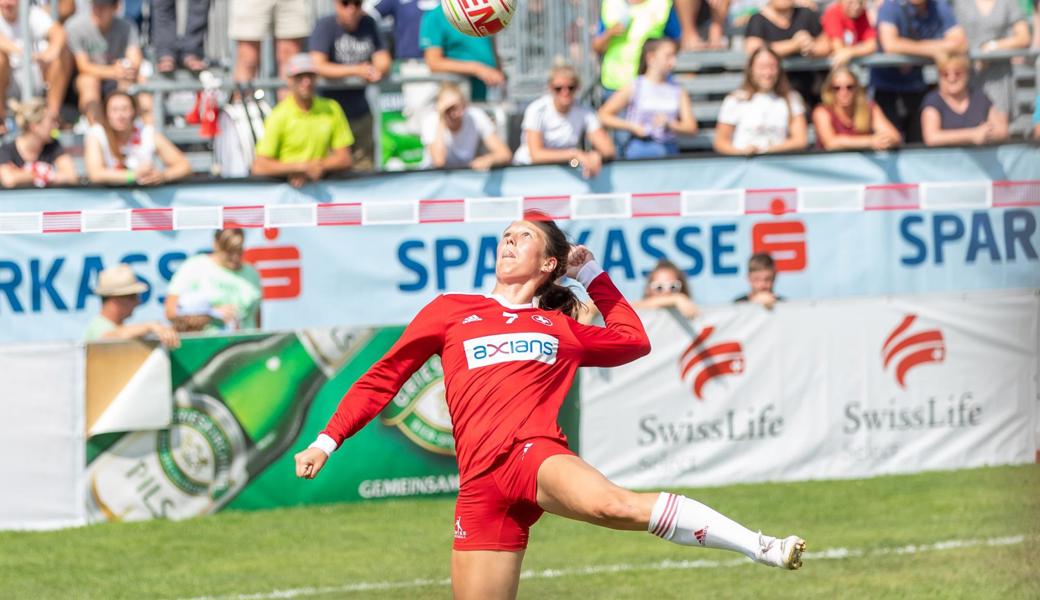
623,339
423,338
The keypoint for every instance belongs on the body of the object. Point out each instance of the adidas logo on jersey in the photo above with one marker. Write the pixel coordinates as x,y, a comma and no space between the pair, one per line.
471,319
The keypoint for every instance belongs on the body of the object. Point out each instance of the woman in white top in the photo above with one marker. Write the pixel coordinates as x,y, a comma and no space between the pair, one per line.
123,150
455,134
554,125
656,108
765,114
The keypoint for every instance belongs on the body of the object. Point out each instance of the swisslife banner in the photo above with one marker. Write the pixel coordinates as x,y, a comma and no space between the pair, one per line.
380,275
817,390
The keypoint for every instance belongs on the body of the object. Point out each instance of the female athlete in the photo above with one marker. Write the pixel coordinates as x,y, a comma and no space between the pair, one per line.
509,359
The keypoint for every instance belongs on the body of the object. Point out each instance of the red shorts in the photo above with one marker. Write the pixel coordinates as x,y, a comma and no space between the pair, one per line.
496,509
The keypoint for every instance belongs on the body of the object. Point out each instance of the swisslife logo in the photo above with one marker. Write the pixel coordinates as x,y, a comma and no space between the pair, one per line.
906,349
938,401
703,361
510,347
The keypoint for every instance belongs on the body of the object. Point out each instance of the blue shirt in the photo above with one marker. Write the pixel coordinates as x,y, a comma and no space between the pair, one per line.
671,28
1036,112
436,32
932,25
407,16
347,48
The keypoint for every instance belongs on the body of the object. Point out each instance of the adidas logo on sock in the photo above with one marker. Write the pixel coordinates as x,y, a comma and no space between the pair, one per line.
471,319
701,534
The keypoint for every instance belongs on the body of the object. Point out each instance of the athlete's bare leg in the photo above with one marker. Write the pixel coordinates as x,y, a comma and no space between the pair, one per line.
485,574
570,487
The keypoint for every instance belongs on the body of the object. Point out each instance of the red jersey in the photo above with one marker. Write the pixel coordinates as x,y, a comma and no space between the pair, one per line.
507,368
838,26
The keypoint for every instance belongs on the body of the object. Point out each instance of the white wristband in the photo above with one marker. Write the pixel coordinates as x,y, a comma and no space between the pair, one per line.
590,271
324,443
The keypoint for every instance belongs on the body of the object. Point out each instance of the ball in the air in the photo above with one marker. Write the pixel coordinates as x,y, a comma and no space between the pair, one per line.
479,18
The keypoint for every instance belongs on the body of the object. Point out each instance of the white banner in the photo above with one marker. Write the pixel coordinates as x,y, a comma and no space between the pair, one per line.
42,436
833,389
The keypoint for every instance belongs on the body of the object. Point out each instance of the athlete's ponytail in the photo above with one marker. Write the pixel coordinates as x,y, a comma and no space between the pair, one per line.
551,295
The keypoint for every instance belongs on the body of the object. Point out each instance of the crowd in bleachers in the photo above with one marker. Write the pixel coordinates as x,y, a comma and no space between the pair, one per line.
87,60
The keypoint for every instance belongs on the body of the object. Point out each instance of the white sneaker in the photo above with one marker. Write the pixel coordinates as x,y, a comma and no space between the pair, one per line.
785,553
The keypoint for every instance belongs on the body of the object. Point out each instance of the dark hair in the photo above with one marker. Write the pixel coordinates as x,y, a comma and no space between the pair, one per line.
760,262
551,295
649,47
113,144
666,265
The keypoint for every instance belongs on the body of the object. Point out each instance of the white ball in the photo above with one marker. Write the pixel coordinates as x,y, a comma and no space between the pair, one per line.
479,18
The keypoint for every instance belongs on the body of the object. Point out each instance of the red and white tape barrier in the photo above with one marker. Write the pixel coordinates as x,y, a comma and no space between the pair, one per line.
910,196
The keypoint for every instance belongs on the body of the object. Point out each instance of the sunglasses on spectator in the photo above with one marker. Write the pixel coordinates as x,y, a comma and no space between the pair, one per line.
839,87
953,73
452,108
350,2
570,88
664,287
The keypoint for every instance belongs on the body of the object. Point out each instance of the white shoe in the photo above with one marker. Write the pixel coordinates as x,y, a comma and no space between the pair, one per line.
785,553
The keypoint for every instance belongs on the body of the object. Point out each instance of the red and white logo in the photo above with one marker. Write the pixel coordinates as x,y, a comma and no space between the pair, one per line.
701,535
708,362
460,533
543,320
907,349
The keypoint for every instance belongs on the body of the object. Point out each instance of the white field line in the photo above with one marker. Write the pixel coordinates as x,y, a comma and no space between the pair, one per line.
664,565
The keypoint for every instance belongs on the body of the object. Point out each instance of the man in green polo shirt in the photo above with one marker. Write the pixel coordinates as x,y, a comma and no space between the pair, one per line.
305,136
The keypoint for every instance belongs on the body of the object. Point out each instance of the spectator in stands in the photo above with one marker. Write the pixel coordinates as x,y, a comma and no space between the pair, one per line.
455,135
35,158
122,150
994,25
790,30
349,44
850,31
252,21
107,55
764,114
305,136
408,56
847,120
624,25
188,48
955,114
694,15
51,66
656,108
447,50
925,28
761,279
554,125
666,287
120,293
217,291
1036,118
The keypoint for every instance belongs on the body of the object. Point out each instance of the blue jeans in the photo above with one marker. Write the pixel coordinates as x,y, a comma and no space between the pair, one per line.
640,148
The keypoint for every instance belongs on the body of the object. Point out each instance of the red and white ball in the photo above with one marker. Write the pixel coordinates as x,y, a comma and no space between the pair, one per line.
479,18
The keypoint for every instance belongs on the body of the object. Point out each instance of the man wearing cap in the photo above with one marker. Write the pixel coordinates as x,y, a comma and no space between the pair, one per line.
305,136
120,294
108,56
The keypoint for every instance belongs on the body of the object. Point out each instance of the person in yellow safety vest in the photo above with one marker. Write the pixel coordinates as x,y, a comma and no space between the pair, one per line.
624,26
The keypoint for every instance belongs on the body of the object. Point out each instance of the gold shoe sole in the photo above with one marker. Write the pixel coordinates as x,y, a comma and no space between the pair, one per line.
796,556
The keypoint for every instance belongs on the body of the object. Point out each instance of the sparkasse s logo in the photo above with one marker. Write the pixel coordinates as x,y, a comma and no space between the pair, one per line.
510,347
906,349
707,362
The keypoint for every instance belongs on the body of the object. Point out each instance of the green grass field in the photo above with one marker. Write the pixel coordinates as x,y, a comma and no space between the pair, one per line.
963,534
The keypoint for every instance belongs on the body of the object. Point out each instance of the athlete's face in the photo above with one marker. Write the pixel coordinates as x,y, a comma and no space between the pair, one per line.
521,254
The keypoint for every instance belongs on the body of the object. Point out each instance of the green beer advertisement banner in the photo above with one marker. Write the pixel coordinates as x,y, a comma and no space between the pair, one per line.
244,405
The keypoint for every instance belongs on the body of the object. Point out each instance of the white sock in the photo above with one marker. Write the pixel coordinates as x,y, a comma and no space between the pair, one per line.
687,522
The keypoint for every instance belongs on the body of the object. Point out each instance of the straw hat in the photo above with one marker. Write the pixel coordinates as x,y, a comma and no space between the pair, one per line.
119,280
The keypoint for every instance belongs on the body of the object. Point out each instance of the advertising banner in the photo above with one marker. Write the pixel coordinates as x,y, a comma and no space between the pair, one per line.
243,406
381,275
41,436
835,389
